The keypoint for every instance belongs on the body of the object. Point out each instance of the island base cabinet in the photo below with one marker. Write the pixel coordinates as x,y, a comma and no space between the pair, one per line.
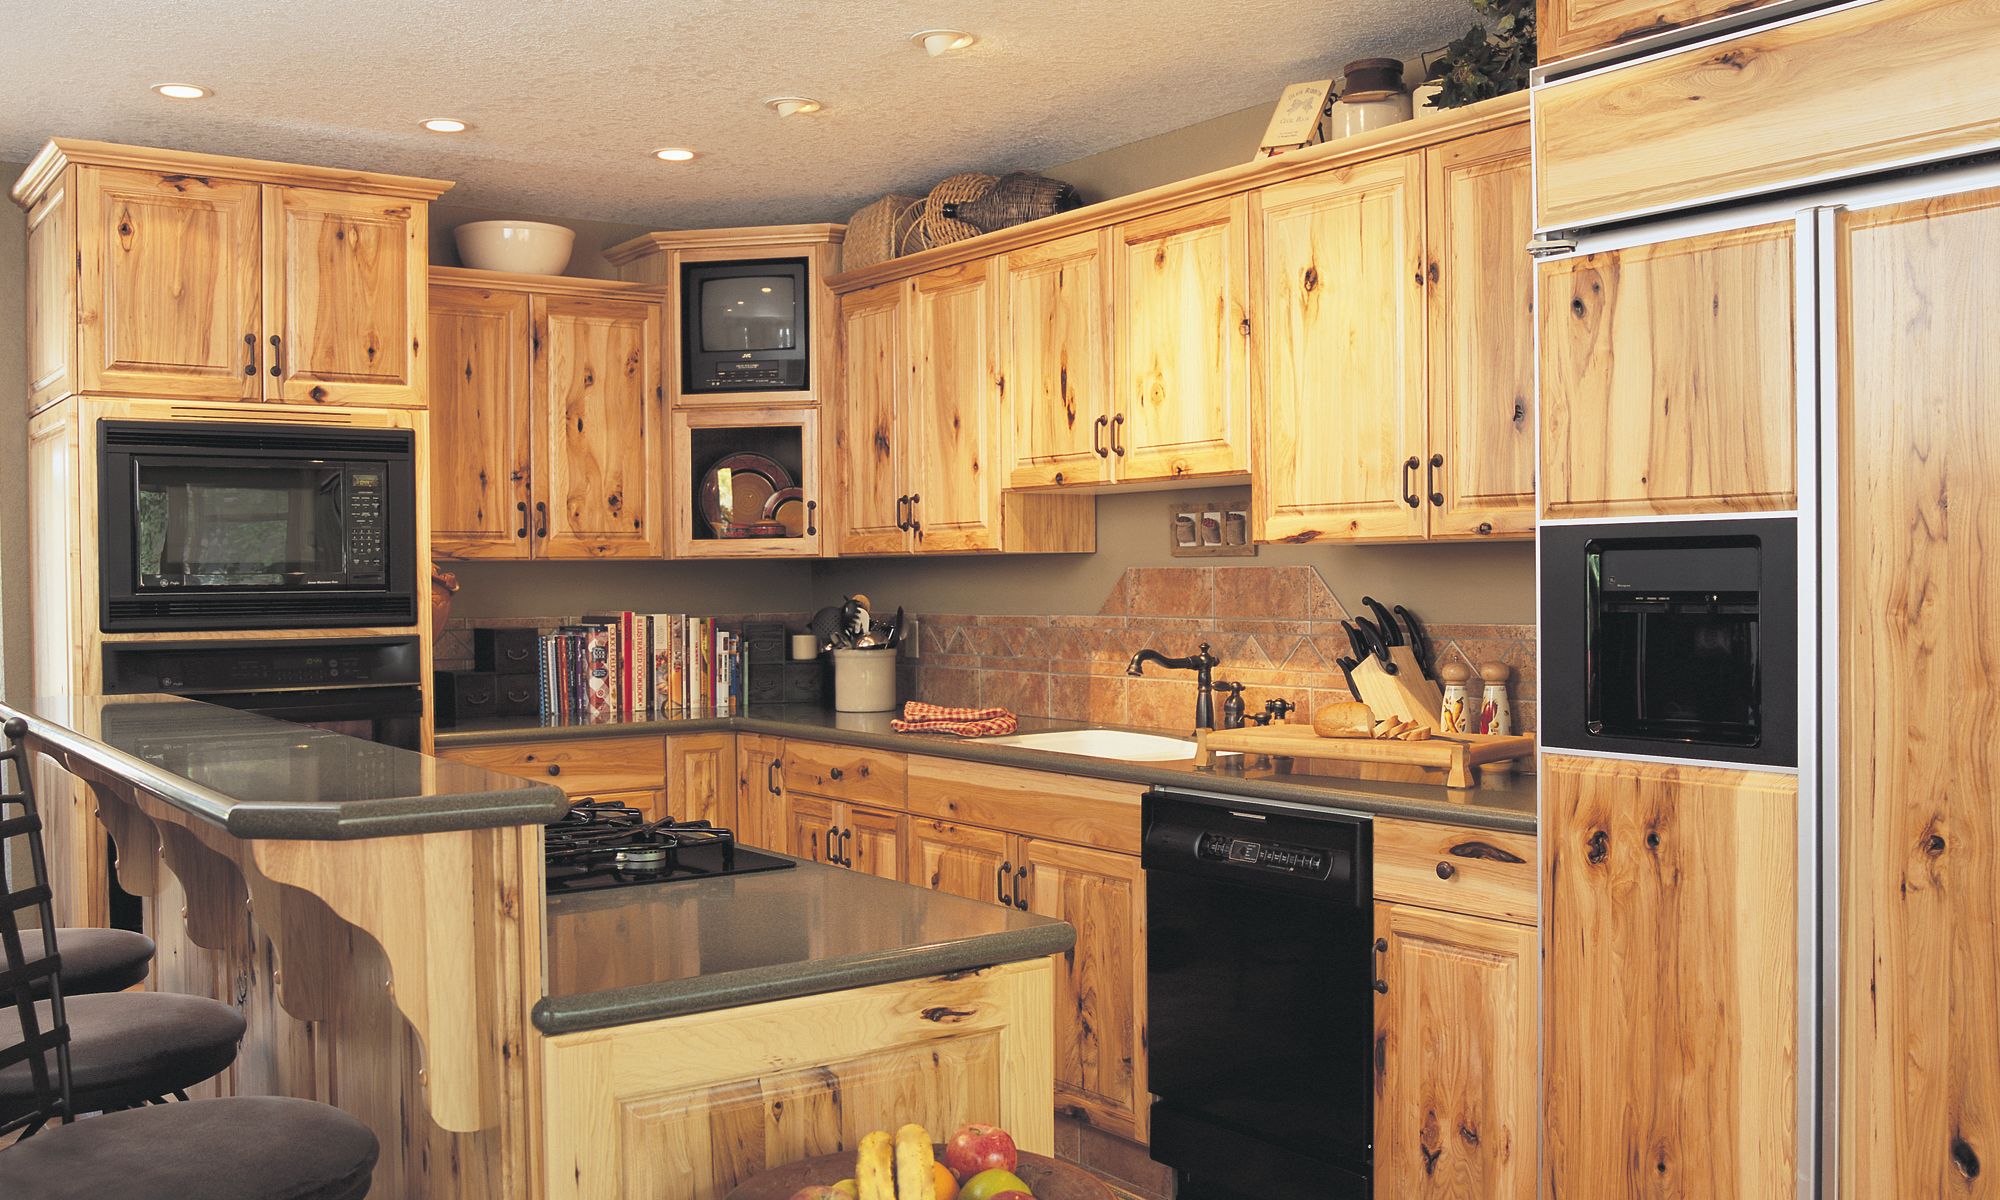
1455,1046
687,1108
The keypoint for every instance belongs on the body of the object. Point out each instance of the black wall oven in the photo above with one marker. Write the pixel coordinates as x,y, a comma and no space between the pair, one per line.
250,526
1676,639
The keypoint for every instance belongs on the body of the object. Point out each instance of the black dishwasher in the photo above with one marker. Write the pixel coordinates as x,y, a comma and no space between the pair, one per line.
1260,987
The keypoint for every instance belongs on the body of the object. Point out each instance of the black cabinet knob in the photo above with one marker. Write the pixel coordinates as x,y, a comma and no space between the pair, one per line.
555,768
1446,870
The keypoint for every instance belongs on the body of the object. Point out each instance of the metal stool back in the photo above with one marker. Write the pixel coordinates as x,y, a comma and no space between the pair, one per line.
46,1051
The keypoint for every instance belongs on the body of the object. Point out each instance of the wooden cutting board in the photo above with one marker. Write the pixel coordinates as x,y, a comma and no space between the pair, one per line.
1457,755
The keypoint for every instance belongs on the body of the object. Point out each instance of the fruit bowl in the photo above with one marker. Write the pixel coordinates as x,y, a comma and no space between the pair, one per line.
1049,1179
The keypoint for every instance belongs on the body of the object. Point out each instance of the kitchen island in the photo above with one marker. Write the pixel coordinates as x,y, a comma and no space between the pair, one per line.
379,917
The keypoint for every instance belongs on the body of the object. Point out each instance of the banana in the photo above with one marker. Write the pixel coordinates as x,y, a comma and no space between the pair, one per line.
874,1168
914,1177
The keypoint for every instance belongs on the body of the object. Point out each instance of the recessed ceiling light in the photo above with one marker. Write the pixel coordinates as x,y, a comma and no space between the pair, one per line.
673,154
446,125
182,91
787,106
942,41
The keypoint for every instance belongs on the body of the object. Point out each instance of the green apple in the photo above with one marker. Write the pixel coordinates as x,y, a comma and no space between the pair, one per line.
988,1185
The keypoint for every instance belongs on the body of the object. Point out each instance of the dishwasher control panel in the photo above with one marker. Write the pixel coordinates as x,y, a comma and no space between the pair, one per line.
1269,856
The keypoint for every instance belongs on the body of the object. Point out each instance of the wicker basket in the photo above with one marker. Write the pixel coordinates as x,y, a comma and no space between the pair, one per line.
1015,199
880,231
936,227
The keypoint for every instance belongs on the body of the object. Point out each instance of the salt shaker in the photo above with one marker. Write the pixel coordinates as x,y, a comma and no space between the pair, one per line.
1496,712
1455,716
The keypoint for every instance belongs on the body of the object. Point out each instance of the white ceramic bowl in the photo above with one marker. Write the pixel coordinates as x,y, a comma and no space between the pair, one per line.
524,247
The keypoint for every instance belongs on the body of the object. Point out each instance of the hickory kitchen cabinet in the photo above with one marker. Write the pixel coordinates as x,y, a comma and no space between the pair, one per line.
1394,347
154,273
548,424
1566,28
920,444
1055,355
1669,377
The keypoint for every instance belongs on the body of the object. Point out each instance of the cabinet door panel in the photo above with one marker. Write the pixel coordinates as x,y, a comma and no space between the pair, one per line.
345,283
1181,407
961,860
599,452
1669,1003
1482,337
1569,27
761,818
1668,377
169,285
1341,407
872,842
867,440
1056,361
701,778
480,423
815,828
1455,1037
954,428
1101,983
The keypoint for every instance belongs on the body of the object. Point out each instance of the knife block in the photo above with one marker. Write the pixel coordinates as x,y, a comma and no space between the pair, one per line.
1405,696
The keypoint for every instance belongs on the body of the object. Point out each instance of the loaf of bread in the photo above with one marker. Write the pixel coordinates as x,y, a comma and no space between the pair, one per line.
1352,719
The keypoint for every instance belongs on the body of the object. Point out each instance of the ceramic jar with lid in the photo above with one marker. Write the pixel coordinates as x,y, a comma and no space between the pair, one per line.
1372,96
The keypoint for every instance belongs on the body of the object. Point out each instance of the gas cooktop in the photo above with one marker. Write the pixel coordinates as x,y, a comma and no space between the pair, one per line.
603,844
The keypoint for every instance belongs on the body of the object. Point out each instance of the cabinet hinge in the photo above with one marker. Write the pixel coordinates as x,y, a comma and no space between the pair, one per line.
1548,245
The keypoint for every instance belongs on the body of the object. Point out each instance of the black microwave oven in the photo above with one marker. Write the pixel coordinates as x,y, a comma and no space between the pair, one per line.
1675,639
745,326
255,526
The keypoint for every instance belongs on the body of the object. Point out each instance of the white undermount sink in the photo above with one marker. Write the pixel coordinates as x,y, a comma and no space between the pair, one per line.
1103,743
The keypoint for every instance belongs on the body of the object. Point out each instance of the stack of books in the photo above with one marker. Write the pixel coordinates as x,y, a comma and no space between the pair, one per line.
626,665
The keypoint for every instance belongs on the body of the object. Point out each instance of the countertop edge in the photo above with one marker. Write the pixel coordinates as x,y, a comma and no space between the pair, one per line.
583,1013
1327,793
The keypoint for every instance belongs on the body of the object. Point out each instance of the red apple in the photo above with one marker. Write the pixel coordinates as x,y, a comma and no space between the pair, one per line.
976,1148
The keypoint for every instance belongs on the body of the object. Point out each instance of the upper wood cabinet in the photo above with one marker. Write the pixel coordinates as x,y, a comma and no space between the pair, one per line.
1670,986
1668,377
548,434
1056,324
1341,422
1181,368
920,440
1395,347
1569,27
192,276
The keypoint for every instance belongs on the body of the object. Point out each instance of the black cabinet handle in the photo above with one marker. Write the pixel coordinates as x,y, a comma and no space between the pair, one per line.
277,357
1000,878
1097,436
541,518
846,841
1381,984
1410,466
250,340
771,777
812,530
1446,870
903,513
833,844
916,526
522,508
836,773
1020,881
1430,480
1118,428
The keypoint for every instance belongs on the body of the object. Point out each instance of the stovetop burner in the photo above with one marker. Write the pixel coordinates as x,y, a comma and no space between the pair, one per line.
605,844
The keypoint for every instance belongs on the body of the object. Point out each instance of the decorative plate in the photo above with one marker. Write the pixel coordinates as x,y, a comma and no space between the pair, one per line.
787,506
736,487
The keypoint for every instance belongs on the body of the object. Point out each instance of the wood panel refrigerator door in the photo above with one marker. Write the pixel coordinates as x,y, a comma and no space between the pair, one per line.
346,282
1340,442
1181,407
169,285
480,423
868,439
1100,983
871,841
600,445
954,433
1668,377
1919,639
1569,27
1670,979
961,860
1456,1043
1056,361
1480,473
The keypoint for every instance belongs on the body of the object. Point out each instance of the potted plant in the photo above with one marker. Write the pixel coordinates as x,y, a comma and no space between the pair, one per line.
1492,59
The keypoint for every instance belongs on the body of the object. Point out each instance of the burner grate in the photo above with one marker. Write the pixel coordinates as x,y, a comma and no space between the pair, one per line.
604,843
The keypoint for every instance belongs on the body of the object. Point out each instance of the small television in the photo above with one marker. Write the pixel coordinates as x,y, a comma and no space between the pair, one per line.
744,326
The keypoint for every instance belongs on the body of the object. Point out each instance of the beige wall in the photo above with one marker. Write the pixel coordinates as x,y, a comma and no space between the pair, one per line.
586,261
572,589
1209,145
15,677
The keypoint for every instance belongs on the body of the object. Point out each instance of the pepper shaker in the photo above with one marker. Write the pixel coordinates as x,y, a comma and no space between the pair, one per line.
1455,715
1496,711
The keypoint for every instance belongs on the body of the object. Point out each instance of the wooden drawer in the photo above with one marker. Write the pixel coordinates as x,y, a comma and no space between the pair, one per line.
1476,871
579,766
1039,804
844,773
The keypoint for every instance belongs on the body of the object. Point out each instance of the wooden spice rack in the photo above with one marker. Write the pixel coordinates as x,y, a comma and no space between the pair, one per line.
1457,755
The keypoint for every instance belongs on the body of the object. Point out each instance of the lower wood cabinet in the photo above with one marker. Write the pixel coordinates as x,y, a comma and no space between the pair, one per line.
869,840
1455,1048
760,797
702,778
691,777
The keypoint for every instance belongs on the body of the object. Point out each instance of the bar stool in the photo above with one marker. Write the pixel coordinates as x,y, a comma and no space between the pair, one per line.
94,960
249,1148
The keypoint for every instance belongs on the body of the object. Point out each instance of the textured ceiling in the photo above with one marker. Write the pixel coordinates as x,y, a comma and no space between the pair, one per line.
567,99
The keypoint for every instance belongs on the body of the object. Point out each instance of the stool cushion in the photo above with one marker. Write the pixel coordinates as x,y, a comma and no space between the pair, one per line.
128,1047
93,960
241,1148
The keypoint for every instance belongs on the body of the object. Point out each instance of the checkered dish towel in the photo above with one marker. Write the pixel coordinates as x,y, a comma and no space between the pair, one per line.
919,717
